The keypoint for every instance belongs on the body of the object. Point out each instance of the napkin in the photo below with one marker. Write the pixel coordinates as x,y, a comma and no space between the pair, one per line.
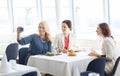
5,67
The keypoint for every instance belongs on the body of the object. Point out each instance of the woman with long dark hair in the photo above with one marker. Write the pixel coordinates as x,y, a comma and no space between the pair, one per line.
107,47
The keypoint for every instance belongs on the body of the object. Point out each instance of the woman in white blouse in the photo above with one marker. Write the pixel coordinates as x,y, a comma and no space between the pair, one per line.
65,40
108,46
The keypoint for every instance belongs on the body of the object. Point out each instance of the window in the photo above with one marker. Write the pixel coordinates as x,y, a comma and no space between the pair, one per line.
88,14
25,14
84,14
4,22
63,11
115,16
49,14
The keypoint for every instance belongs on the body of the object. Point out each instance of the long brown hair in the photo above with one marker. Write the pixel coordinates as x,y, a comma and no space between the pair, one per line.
105,29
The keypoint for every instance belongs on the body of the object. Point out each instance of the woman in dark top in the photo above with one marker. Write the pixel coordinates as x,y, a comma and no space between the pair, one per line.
39,43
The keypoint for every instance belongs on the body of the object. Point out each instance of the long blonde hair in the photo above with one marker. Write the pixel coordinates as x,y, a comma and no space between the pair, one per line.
47,30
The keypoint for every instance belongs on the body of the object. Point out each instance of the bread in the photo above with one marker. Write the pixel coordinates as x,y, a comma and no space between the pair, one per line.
71,53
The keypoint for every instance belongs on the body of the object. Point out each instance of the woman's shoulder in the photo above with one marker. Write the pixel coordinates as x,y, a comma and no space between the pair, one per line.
72,35
109,40
34,35
59,35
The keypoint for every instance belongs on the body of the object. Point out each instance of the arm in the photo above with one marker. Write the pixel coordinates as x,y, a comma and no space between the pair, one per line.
73,44
93,53
107,49
18,33
24,40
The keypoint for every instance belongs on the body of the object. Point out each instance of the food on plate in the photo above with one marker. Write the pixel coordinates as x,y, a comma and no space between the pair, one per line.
50,54
71,53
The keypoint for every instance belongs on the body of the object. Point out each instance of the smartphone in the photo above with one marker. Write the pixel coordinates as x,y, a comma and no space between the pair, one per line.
21,29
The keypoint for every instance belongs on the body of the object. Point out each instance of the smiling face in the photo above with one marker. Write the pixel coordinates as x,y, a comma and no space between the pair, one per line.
44,31
41,29
65,28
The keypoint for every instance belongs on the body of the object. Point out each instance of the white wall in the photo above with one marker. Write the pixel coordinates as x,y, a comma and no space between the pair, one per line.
6,39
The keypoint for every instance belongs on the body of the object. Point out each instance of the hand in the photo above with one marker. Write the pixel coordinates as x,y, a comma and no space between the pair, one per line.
94,53
18,33
18,30
63,50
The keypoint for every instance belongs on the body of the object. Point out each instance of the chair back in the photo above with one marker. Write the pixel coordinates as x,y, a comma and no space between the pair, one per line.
115,67
97,65
33,73
23,53
12,51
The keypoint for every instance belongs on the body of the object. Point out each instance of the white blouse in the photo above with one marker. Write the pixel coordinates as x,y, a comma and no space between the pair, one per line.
59,42
108,49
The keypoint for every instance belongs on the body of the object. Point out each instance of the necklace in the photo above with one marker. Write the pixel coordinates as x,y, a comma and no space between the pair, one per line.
43,40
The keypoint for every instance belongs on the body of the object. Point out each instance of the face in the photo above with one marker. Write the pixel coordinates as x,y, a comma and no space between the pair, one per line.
41,29
65,28
99,32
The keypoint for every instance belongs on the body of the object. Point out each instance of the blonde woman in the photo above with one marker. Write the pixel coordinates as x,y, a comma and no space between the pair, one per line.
39,43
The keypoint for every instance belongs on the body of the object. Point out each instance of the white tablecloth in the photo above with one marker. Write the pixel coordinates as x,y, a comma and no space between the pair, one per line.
61,65
20,70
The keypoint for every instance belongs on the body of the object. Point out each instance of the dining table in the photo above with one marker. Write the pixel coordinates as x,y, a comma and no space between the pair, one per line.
61,64
19,70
